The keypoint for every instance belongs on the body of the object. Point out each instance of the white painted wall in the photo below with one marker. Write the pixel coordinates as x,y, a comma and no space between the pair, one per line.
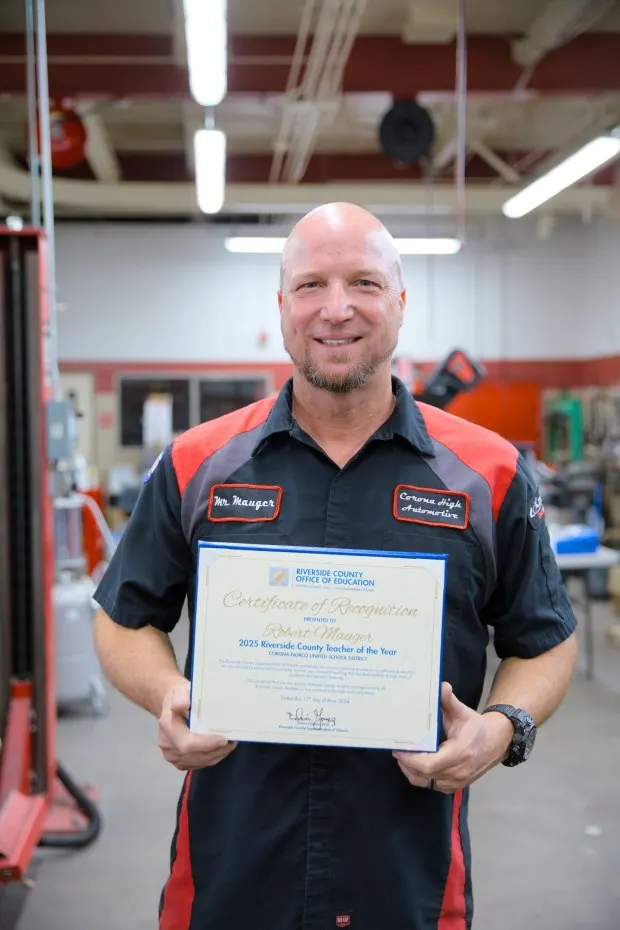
599,317
160,293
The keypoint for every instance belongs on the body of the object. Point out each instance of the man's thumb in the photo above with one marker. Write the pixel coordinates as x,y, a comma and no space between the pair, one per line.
450,704
180,699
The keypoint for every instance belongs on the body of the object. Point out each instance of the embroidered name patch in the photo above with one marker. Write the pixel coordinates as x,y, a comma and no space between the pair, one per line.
431,507
244,503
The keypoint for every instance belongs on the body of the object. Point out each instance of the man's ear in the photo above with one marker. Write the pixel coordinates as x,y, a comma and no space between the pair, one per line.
280,300
403,303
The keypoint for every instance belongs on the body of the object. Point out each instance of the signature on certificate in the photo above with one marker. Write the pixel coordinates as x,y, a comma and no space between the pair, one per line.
316,718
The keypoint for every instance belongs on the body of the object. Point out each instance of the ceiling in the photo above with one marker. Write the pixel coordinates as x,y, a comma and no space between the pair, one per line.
542,78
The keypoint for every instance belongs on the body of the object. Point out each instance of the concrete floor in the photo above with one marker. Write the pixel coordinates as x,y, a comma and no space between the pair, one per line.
545,837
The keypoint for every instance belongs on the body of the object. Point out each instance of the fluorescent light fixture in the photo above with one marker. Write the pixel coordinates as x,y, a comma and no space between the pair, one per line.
207,50
210,161
260,245
577,166
271,245
428,246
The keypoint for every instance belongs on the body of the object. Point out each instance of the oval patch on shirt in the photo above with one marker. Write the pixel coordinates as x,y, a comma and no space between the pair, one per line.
244,503
431,506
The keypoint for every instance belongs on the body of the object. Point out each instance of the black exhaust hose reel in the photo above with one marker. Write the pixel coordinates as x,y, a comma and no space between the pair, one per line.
407,132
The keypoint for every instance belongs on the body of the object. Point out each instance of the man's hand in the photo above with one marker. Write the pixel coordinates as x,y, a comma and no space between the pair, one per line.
474,744
182,748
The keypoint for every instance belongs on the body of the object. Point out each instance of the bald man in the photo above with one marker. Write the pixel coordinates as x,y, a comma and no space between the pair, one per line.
284,837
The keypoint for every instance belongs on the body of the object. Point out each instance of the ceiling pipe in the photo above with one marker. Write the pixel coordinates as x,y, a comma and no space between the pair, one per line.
559,22
282,140
461,121
328,92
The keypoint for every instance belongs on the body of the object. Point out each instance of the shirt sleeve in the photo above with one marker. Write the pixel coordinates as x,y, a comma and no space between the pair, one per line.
147,580
530,609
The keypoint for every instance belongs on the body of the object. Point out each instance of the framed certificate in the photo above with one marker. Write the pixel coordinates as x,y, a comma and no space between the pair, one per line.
318,646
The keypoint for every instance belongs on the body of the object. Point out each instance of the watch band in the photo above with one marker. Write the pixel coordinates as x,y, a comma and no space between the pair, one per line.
524,732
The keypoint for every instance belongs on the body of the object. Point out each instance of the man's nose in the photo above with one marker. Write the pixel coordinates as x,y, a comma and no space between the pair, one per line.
337,307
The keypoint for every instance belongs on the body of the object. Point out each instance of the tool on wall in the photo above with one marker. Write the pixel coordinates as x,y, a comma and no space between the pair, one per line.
458,372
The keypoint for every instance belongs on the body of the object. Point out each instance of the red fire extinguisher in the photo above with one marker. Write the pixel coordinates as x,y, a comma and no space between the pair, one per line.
67,136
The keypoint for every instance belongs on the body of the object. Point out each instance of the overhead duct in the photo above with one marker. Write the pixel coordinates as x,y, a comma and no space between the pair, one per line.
558,23
407,132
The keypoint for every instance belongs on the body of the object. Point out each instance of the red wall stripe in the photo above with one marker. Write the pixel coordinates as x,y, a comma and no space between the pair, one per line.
454,908
548,373
179,893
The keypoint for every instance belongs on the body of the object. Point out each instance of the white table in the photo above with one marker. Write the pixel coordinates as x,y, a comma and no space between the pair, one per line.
577,565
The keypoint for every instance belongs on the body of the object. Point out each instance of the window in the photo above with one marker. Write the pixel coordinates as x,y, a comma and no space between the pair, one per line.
133,394
220,397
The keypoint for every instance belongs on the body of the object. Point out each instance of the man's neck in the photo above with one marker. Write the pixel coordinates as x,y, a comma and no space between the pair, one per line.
348,418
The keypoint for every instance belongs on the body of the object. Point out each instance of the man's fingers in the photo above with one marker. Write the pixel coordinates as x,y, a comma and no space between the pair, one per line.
180,746
188,743
441,785
198,760
432,764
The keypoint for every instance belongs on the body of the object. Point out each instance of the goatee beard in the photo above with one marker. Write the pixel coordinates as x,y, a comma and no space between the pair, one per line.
337,384
344,383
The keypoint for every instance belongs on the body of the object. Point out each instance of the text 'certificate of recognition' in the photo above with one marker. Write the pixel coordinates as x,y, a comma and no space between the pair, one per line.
318,646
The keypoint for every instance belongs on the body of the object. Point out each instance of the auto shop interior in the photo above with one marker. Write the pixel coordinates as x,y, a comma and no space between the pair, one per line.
154,156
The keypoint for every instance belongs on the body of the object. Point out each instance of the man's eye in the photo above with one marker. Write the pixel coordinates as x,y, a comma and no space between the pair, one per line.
309,284
366,283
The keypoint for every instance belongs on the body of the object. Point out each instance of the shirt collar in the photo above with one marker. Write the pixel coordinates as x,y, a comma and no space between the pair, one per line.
406,419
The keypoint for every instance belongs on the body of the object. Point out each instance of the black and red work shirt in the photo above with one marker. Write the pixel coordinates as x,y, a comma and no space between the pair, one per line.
281,837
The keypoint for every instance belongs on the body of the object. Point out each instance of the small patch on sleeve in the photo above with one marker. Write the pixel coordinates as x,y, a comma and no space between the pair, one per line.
536,510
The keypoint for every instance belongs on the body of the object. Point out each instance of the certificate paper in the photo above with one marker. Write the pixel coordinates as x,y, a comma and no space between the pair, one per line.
318,646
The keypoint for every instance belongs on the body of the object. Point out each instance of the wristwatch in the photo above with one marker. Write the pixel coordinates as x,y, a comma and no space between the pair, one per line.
524,732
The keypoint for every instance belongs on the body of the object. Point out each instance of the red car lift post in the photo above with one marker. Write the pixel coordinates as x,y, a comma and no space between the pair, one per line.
40,805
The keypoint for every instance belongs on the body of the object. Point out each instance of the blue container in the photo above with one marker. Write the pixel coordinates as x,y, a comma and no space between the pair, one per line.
577,539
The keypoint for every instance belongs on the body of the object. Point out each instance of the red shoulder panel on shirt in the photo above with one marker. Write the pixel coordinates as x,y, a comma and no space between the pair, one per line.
493,457
196,445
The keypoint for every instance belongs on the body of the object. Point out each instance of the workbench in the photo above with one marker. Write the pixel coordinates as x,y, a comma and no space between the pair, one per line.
577,565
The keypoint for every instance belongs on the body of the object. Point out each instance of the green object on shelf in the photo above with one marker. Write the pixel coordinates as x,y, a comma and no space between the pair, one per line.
565,428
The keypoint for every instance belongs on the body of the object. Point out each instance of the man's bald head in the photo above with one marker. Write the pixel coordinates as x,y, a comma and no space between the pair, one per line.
333,221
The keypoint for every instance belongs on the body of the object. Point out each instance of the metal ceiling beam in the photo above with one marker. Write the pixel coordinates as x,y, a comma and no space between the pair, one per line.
558,23
130,67
100,154
323,167
579,135
177,200
431,21
495,161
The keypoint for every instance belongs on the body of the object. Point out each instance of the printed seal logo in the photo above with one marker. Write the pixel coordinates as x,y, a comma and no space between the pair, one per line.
279,577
